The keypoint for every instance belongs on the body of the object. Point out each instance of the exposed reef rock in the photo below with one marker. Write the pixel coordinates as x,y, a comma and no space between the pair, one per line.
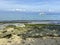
29,34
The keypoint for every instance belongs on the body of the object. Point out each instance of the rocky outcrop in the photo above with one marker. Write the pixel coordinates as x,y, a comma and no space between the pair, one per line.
29,34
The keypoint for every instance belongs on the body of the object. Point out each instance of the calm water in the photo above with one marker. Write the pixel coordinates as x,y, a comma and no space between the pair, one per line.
27,16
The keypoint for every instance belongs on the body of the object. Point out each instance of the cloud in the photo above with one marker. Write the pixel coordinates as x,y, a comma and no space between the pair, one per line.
30,5
18,9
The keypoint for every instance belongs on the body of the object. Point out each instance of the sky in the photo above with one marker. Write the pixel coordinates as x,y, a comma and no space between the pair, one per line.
30,5
31,9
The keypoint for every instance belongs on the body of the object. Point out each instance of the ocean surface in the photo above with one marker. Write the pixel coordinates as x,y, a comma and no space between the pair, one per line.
28,16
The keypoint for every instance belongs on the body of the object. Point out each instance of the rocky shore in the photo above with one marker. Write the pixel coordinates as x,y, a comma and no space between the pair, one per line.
29,34
30,41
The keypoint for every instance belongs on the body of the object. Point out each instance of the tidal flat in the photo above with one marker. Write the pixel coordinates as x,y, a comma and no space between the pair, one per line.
29,34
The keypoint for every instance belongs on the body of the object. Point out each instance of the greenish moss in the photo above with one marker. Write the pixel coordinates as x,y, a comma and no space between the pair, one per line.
32,30
12,26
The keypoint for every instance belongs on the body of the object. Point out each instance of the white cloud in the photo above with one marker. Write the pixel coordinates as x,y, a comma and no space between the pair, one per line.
35,7
18,9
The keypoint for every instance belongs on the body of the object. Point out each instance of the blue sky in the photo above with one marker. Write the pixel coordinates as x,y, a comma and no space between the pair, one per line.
29,6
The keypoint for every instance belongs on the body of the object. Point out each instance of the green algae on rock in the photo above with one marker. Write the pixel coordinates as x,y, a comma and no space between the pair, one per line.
31,30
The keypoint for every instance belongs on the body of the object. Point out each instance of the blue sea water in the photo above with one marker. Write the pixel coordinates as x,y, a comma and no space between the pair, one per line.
27,16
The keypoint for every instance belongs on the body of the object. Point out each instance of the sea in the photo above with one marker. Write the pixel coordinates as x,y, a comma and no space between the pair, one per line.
8,15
